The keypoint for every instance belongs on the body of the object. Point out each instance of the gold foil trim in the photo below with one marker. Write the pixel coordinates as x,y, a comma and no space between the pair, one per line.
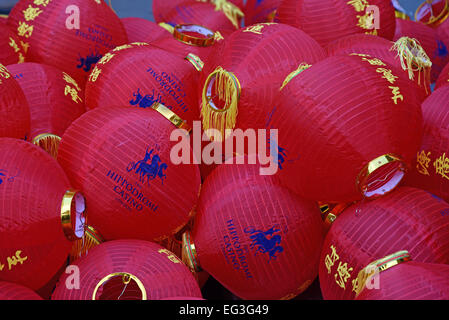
178,34
48,142
167,27
189,255
67,206
196,61
433,21
171,116
126,278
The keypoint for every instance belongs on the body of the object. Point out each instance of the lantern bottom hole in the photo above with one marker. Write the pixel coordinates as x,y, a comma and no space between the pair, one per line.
384,180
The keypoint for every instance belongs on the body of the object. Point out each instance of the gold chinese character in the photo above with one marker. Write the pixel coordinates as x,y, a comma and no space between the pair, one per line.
396,94
25,30
442,166
387,74
373,32
70,80
21,58
329,261
73,93
359,5
31,13
13,45
170,256
125,46
423,162
140,44
218,36
4,73
374,62
106,58
94,75
355,285
257,28
42,2
14,260
25,46
366,21
1,267
343,274
359,54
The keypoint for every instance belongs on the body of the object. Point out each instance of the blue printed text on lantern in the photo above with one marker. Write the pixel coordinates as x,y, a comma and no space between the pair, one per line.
13,260
97,34
234,252
129,194
172,86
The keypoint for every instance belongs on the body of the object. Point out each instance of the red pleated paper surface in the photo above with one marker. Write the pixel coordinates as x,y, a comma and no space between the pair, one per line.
143,30
160,273
328,20
336,142
53,37
14,110
407,219
443,78
428,38
259,11
12,291
55,99
258,239
3,19
241,81
380,48
430,170
11,50
411,281
32,186
120,158
140,75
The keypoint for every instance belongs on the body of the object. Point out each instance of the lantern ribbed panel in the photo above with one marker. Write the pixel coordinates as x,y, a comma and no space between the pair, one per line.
236,203
49,96
443,32
330,127
429,40
161,277
31,192
430,171
3,19
142,30
407,219
175,46
257,11
411,281
12,291
52,42
14,110
261,62
142,75
120,158
11,50
376,47
328,20
443,78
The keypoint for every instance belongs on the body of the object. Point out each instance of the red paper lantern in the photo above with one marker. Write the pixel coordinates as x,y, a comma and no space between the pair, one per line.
35,197
405,54
428,38
146,75
11,50
430,170
407,219
12,291
443,78
258,11
132,188
396,277
55,99
338,144
143,30
3,19
328,20
255,237
14,110
129,270
71,35
241,81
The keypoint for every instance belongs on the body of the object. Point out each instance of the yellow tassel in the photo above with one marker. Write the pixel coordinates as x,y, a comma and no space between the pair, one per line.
413,59
49,142
228,88
81,247
301,68
231,11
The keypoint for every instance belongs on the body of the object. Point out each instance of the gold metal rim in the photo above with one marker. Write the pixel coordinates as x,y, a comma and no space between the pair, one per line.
208,85
171,116
189,255
195,61
191,40
48,142
436,21
126,278
67,217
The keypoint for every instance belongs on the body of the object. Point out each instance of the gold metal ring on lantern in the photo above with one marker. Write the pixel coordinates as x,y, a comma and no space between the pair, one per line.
49,142
434,21
374,165
189,255
380,265
166,26
178,34
126,278
196,61
171,116
207,90
70,216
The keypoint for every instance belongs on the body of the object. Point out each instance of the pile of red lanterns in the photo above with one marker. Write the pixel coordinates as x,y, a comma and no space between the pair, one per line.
278,148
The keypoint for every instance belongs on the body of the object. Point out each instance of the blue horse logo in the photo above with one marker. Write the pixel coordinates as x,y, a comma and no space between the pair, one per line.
442,49
149,170
266,242
87,62
1,175
144,101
